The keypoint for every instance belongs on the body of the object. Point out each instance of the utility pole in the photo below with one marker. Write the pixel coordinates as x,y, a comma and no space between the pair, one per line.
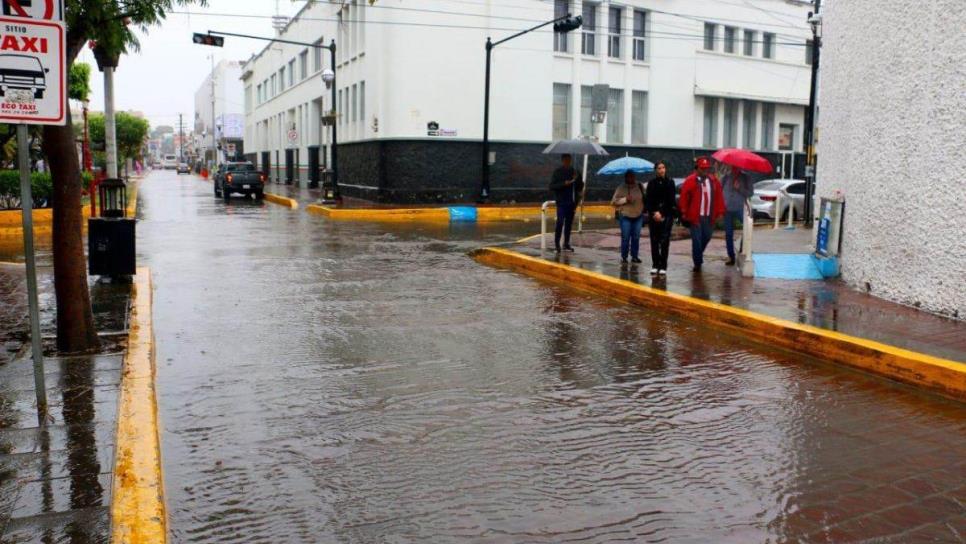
815,19
110,130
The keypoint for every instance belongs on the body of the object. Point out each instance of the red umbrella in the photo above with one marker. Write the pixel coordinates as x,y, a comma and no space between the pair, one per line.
744,159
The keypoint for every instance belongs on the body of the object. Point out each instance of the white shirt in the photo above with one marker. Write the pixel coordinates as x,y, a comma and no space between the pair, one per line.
705,197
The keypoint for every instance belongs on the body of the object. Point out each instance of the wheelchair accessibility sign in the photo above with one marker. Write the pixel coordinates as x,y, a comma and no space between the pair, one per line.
33,79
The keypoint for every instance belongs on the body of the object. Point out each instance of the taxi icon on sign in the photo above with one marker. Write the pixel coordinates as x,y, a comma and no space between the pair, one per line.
22,72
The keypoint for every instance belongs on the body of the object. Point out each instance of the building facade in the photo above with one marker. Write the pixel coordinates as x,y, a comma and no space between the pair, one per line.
891,143
685,77
219,111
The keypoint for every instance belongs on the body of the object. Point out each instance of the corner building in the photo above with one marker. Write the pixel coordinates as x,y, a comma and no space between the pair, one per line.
686,77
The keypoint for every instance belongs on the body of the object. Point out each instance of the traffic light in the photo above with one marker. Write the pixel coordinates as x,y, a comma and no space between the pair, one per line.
208,39
569,24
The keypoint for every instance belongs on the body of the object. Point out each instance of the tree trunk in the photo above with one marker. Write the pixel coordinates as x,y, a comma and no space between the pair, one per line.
75,319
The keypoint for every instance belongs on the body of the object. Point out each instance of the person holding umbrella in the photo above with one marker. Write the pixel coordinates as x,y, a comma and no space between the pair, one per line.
737,188
702,203
661,208
628,199
567,188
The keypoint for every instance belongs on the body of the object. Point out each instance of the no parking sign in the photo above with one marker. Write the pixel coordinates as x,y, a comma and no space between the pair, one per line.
51,10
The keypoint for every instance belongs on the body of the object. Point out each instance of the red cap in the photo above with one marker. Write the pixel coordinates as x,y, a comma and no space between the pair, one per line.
703,162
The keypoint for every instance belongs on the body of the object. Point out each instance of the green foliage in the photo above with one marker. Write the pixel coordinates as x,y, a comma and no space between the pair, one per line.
41,188
79,81
131,132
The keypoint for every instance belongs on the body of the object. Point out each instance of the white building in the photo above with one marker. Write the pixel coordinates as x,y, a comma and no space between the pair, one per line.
222,90
684,75
892,141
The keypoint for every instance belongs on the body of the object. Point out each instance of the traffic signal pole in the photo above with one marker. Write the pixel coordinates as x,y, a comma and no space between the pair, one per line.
810,122
564,24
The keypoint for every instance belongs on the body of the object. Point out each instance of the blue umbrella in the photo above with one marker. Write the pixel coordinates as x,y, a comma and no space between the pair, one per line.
622,165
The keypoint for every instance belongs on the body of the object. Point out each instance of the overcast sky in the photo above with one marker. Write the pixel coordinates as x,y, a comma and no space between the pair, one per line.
162,78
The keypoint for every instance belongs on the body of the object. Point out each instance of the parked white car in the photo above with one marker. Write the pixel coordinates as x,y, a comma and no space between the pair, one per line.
792,192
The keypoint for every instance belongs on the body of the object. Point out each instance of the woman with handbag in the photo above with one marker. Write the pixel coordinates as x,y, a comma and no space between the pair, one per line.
628,201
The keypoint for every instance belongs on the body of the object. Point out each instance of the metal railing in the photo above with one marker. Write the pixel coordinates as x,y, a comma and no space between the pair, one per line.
543,223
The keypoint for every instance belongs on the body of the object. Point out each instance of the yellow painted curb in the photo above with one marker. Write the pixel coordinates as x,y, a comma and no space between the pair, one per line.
483,214
943,376
138,512
281,200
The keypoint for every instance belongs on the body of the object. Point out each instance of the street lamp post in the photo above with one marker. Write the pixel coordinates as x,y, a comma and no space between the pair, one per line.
563,24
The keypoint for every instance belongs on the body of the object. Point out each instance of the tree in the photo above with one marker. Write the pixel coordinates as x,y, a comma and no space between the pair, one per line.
109,24
130,130
79,82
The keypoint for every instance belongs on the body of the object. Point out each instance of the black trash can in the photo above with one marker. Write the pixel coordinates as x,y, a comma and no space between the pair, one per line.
111,246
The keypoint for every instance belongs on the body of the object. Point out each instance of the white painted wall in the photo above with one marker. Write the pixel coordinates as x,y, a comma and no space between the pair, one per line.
893,127
229,99
416,72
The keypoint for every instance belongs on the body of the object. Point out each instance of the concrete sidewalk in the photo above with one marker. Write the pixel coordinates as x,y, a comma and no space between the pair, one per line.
55,481
829,304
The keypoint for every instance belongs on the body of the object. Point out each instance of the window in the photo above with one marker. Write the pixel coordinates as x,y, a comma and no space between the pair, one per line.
281,79
560,9
638,117
640,31
795,189
808,51
749,123
258,93
710,122
361,26
588,43
355,102
768,45
273,85
291,73
586,108
614,31
730,123
362,102
340,116
303,64
749,43
768,127
709,31
615,116
317,56
786,137
561,111
730,39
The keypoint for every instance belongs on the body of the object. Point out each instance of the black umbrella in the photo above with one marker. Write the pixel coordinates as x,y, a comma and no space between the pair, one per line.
577,146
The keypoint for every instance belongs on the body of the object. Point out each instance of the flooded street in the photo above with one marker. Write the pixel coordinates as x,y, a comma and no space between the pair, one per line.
324,381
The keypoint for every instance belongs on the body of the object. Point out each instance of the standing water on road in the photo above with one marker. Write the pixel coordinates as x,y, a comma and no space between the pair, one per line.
324,381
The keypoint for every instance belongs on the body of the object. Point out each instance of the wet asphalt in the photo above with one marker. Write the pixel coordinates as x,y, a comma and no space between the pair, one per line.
324,381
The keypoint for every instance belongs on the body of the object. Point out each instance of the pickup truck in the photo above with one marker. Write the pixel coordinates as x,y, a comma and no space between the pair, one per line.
239,177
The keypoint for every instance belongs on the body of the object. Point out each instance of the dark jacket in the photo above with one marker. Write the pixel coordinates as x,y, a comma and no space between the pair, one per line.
660,197
566,195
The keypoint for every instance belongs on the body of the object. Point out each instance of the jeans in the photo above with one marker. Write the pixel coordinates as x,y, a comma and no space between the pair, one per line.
660,234
729,223
631,235
700,236
565,223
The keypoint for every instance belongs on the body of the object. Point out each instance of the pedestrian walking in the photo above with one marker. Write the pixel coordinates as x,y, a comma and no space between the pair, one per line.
567,188
737,188
628,199
702,203
661,208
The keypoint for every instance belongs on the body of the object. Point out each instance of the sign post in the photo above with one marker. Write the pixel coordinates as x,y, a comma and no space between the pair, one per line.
33,68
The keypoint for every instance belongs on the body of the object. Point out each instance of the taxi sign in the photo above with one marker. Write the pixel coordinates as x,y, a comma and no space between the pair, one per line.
33,79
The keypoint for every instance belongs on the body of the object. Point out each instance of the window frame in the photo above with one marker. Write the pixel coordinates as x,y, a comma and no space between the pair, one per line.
615,118
710,36
614,32
304,64
561,43
768,45
748,42
710,130
730,45
639,125
567,105
588,38
639,36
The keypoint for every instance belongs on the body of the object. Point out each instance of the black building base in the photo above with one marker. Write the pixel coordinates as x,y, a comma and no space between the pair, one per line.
448,171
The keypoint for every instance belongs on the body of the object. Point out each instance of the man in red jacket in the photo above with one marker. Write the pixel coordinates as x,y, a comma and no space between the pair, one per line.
702,203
